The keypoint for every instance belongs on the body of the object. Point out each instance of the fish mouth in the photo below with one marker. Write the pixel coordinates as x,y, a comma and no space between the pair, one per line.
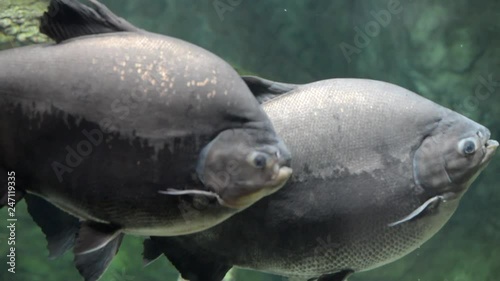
490,147
278,180
280,177
492,144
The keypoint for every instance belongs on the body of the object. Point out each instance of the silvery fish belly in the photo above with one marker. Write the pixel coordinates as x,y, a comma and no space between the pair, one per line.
130,132
378,170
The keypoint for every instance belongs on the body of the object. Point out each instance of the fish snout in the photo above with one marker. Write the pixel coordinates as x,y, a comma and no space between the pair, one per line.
274,172
280,171
283,155
241,199
490,147
282,163
492,144
484,135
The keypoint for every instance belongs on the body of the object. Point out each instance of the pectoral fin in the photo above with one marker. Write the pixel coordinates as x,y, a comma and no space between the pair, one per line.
428,204
92,265
172,191
66,19
94,236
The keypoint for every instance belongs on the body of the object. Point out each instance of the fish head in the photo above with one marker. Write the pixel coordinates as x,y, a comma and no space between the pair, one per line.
242,166
452,156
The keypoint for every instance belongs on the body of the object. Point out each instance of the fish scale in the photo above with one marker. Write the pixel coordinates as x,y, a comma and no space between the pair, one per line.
361,149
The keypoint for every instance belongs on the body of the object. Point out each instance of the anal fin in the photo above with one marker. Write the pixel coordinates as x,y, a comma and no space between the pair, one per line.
94,236
92,265
151,252
60,228
338,276
192,264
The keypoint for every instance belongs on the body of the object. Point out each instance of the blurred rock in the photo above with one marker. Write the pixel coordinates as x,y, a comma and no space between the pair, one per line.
19,22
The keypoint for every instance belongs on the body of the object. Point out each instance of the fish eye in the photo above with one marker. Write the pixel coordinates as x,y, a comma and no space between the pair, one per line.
257,159
260,161
469,147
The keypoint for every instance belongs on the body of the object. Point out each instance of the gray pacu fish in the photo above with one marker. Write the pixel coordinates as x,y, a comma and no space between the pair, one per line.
102,122
378,170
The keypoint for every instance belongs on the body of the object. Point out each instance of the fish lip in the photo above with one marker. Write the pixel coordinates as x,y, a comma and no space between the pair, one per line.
271,187
279,179
490,149
492,144
284,173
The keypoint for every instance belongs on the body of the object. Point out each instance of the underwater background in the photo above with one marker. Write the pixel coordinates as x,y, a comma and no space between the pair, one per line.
443,50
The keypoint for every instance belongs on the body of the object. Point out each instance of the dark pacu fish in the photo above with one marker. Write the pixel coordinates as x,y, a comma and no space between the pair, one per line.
378,170
103,122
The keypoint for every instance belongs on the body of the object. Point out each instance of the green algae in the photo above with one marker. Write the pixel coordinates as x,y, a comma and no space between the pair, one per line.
19,22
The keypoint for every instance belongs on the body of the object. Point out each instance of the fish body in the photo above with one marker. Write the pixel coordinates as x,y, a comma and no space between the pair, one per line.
105,115
129,132
378,170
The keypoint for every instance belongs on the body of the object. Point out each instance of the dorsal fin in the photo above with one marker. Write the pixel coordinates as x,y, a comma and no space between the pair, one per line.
66,19
265,90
